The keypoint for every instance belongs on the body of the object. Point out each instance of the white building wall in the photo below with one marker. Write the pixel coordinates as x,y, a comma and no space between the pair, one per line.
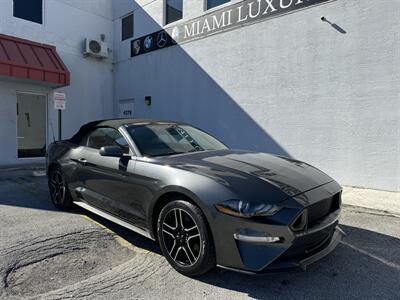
291,85
65,25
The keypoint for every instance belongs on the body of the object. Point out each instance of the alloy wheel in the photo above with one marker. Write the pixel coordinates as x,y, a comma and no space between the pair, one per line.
57,187
181,237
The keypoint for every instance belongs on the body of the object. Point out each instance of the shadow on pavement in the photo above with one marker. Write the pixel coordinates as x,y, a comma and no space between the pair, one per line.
365,265
132,237
25,191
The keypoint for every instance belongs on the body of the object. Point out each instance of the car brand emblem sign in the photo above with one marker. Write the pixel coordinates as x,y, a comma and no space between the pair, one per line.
148,42
241,13
136,47
175,34
162,39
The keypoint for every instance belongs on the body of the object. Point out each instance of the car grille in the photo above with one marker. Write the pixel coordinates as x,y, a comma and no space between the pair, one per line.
316,212
321,209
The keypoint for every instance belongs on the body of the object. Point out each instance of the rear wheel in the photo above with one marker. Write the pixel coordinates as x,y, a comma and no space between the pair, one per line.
58,188
185,239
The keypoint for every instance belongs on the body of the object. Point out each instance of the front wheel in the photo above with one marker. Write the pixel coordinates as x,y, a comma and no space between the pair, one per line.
185,239
58,188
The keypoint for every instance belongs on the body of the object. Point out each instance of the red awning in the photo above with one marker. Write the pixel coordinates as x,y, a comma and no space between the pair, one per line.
24,59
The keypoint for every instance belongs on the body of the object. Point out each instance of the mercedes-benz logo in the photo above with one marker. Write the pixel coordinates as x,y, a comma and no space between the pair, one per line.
162,38
148,42
136,47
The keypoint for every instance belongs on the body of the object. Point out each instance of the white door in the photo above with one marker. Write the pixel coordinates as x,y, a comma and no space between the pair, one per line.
126,108
31,125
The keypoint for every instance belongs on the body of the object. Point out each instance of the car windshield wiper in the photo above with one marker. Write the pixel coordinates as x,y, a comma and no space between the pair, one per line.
178,152
194,150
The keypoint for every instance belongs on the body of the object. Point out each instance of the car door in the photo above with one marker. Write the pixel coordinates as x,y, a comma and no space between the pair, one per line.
108,182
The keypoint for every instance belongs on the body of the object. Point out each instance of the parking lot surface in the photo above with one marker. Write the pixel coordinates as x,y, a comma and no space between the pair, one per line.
49,254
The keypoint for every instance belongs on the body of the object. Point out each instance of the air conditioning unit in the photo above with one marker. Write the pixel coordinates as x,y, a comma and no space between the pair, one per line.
95,48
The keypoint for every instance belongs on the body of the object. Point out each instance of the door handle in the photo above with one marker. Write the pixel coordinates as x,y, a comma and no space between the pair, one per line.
82,161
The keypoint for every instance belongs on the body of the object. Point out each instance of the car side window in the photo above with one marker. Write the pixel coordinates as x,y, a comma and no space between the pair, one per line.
102,137
84,140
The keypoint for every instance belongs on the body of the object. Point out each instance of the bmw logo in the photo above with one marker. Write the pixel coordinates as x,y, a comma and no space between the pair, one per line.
148,42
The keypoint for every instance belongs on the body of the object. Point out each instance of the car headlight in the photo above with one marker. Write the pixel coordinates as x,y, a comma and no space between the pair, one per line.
244,209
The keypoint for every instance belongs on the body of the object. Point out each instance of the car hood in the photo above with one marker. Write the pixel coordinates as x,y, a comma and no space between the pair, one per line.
253,175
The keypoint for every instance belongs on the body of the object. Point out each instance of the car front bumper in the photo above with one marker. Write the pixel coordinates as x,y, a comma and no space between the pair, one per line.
296,264
254,247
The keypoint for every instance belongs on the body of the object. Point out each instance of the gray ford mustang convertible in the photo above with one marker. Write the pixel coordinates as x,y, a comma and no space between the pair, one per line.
204,203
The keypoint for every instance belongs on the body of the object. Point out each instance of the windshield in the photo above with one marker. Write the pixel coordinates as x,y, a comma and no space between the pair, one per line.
169,139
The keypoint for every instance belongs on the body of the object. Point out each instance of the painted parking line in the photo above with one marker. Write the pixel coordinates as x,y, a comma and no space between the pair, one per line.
123,242
380,259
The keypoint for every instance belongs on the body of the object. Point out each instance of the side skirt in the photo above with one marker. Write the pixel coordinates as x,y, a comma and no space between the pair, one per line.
111,218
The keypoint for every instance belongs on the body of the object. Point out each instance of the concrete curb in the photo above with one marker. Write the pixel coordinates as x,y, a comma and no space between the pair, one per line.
30,167
372,199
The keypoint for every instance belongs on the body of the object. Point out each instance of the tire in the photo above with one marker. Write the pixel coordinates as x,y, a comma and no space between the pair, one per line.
58,187
190,250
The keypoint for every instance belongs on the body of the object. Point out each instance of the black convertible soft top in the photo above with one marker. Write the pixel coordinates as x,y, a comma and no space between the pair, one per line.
113,123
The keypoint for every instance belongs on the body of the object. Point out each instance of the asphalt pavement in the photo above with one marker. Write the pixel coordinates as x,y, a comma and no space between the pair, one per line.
49,254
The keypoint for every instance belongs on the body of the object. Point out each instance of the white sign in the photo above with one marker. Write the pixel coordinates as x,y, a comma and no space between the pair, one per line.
59,100
126,108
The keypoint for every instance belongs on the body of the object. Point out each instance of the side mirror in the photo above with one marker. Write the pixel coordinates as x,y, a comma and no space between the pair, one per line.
113,151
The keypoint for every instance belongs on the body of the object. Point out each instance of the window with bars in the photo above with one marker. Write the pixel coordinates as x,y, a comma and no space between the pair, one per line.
127,27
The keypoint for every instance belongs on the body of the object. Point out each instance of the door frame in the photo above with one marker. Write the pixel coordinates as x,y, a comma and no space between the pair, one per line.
46,95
